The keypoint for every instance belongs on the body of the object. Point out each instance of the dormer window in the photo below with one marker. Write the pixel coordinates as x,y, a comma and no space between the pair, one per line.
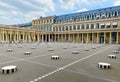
109,14
116,13
97,16
103,15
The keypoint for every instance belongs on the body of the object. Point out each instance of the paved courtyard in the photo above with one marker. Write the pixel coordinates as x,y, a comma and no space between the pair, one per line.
39,67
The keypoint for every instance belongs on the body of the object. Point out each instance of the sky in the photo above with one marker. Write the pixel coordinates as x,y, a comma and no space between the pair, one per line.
24,11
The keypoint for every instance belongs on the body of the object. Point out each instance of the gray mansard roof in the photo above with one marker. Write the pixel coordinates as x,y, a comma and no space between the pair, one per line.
91,12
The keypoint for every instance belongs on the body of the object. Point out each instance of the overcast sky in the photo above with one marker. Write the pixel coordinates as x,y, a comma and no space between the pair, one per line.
22,11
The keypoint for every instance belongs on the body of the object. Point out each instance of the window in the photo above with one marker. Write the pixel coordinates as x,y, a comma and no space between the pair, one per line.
108,25
59,28
66,28
102,26
74,19
56,28
47,28
103,15
109,14
50,28
115,13
97,16
92,26
115,25
87,26
92,16
83,26
74,27
83,18
63,28
97,25
70,27
78,27
53,29
88,17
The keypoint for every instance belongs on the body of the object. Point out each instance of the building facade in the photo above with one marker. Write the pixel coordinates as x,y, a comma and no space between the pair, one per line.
17,34
95,26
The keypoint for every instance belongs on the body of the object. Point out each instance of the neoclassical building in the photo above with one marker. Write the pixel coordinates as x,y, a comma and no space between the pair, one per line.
96,26
17,34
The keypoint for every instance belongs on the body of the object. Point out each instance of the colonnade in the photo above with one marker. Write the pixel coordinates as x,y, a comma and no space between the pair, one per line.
82,37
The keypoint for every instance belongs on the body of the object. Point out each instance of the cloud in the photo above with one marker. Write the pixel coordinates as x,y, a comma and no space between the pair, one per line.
5,5
70,4
37,8
117,3
82,10
26,11
47,3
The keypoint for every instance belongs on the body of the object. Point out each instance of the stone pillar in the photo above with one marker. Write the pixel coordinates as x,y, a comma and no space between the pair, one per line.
110,38
104,37
69,38
77,37
73,37
82,37
6,37
65,38
87,38
29,37
35,37
3,36
38,38
42,37
117,38
45,37
97,37
49,37
10,35
14,36
17,37
55,38
92,37
23,37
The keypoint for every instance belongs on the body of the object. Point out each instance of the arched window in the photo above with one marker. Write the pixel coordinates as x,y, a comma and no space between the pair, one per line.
92,17
116,13
109,15
88,17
